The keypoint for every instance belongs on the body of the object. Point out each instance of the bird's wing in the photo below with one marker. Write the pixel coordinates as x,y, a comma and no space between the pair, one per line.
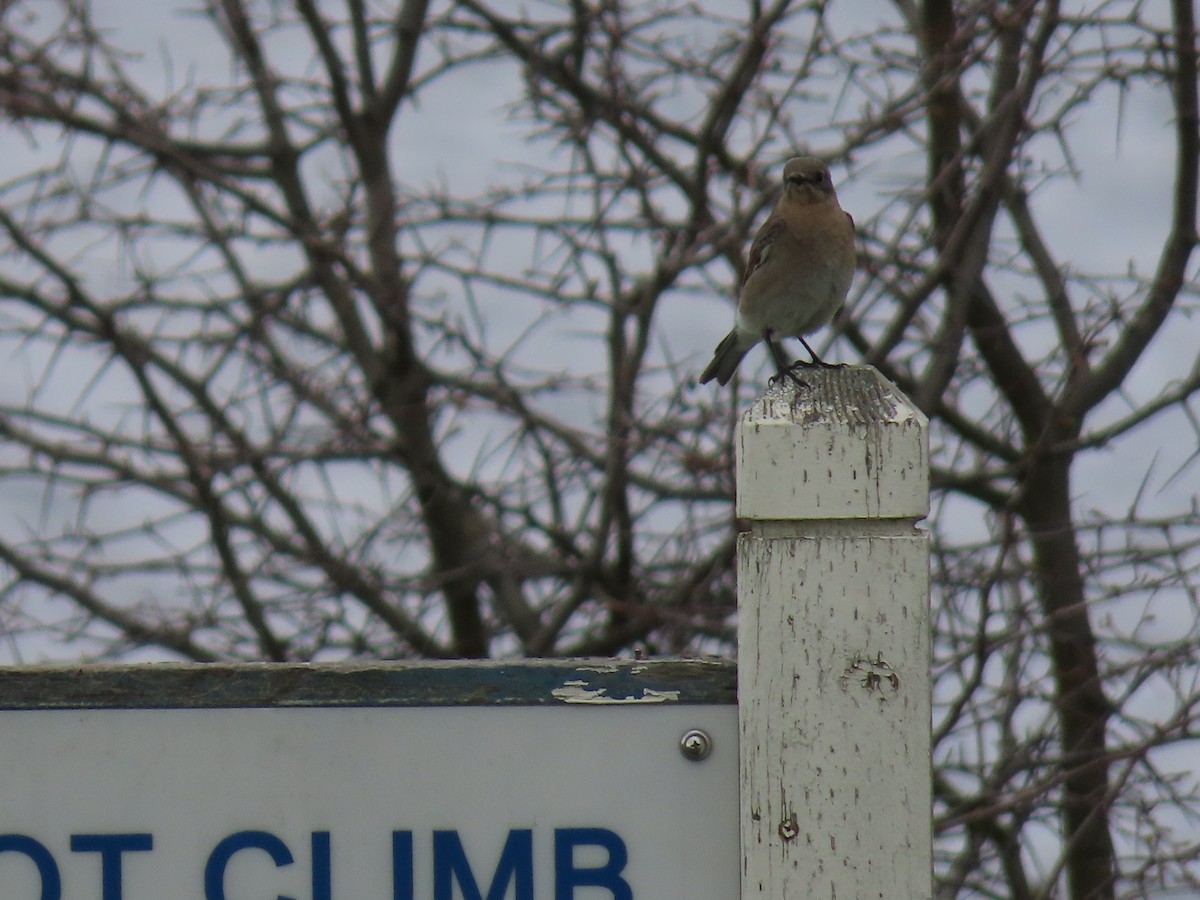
760,250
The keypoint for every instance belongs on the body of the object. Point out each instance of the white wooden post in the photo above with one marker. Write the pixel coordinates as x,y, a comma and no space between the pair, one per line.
833,645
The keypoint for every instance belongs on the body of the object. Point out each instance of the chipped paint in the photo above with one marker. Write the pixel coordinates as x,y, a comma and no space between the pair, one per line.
582,692
872,672
902,413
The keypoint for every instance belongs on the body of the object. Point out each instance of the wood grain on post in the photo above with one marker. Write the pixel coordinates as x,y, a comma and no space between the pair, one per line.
833,631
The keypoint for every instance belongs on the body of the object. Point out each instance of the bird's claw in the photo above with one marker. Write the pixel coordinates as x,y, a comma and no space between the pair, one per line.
788,373
815,363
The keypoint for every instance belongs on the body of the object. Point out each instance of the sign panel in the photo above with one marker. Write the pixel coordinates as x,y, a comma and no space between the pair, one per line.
578,793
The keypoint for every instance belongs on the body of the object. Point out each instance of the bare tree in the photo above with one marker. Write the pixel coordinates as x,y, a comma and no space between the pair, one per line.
273,397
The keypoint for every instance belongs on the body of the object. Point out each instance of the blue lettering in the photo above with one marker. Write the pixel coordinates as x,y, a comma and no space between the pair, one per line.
321,879
110,847
402,865
450,863
513,873
608,876
47,870
218,860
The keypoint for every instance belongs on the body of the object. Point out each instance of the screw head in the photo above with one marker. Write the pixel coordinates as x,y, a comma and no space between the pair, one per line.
695,745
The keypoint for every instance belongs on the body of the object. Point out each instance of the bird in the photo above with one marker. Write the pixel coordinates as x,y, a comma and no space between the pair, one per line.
801,264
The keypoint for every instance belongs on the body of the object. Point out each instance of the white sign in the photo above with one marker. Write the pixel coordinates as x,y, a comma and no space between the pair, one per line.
373,803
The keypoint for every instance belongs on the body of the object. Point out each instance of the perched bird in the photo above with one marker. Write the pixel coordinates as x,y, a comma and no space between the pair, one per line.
800,268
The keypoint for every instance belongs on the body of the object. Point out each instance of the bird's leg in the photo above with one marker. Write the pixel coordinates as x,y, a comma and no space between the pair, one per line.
783,369
816,360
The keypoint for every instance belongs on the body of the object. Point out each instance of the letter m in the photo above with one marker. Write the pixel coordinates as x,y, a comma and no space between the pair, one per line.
515,867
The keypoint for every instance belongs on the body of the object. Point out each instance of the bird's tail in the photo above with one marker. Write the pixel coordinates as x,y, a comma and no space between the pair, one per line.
726,358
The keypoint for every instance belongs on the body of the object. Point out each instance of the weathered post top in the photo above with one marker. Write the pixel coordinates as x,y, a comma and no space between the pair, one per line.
849,446
833,641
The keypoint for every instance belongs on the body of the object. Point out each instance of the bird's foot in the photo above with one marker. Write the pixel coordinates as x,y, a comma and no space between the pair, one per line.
787,374
815,363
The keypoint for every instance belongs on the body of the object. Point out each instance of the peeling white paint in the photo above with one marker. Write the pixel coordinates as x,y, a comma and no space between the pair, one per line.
903,412
652,696
581,692
599,667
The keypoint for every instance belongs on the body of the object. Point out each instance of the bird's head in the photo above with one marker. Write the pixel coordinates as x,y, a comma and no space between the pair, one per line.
806,178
